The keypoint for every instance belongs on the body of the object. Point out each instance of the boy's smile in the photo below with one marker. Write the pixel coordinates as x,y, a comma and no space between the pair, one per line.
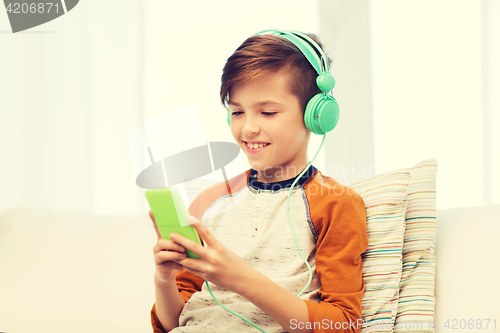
267,122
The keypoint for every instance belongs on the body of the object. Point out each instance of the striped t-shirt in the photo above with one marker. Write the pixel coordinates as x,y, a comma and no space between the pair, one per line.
249,217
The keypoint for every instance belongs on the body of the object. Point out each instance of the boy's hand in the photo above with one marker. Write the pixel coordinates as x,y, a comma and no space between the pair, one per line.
217,263
166,256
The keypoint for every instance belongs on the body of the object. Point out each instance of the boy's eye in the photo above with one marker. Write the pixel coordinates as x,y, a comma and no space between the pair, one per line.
235,113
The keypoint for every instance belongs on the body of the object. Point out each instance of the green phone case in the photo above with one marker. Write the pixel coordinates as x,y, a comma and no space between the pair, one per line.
171,215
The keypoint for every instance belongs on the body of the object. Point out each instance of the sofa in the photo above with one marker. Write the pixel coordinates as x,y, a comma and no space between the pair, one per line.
74,272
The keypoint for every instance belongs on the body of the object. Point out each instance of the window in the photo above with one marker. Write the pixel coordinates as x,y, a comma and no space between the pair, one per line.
433,78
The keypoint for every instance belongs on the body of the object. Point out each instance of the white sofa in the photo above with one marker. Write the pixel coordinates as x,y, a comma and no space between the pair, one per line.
63,272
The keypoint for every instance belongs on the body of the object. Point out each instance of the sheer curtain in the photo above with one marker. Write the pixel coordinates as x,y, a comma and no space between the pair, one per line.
413,81
74,88
71,91
418,80
435,91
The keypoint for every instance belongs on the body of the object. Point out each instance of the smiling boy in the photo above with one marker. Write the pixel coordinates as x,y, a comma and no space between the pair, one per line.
265,111
250,259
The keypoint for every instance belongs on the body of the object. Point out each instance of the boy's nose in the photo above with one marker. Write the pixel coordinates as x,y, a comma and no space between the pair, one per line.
250,126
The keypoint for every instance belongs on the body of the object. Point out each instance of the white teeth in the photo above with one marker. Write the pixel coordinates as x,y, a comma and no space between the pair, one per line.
256,145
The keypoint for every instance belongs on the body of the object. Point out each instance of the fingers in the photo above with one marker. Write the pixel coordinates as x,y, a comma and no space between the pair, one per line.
188,244
165,256
166,250
196,266
202,230
191,269
167,245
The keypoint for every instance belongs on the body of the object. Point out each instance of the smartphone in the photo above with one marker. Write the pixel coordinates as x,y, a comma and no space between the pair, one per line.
171,215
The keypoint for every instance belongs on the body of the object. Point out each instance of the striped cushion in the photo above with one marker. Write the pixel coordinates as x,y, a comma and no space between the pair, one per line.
416,289
385,203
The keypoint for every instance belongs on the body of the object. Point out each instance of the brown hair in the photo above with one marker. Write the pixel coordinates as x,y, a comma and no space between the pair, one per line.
264,54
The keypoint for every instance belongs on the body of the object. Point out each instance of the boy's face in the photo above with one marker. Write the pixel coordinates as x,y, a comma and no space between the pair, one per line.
265,111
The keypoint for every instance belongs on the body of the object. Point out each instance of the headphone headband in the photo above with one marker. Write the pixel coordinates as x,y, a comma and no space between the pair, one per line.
306,45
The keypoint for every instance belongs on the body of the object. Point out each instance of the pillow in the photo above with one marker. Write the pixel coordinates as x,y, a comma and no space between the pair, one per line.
416,289
385,201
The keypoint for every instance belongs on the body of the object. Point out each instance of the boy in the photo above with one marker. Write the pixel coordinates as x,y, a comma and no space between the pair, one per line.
250,259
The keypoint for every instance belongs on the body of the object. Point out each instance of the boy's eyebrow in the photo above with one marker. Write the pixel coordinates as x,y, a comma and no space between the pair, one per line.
263,103
233,103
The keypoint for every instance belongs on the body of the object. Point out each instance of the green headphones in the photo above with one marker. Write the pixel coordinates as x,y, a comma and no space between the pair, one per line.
322,111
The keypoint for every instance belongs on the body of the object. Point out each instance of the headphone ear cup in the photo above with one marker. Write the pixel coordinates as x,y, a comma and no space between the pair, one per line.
229,118
325,81
327,111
